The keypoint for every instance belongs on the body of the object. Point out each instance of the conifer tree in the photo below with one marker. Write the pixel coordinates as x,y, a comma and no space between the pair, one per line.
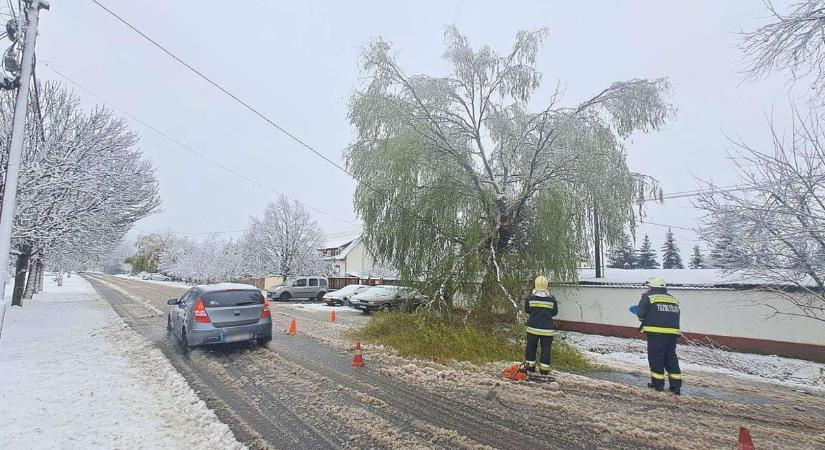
697,259
646,256
622,256
671,259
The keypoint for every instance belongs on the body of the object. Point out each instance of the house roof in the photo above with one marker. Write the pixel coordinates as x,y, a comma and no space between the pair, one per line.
339,240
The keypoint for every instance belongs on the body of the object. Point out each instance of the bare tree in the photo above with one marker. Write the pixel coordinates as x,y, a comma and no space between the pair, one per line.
779,220
286,241
792,42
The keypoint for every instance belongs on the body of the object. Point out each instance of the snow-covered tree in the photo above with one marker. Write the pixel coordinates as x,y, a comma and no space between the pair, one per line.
791,43
212,260
775,229
671,259
622,256
459,179
147,252
83,182
646,256
285,241
697,259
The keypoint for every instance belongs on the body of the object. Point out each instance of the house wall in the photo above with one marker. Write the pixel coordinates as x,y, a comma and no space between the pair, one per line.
734,318
358,260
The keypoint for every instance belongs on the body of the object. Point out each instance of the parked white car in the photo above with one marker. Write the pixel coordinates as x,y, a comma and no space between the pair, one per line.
342,296
157,277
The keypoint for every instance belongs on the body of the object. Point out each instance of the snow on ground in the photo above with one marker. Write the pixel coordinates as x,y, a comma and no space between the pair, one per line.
180,284
698,277
74,375
626,354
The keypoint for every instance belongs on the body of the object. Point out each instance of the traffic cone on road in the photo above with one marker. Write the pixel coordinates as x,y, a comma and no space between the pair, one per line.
358,359
745,441
292,328
332,316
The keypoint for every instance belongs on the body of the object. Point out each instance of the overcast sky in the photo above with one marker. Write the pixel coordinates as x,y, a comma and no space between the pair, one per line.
297,63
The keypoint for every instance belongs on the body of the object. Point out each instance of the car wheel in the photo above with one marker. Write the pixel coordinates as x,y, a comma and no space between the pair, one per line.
284,297
385,307
263,341
321,296
184,340
168,324
365,312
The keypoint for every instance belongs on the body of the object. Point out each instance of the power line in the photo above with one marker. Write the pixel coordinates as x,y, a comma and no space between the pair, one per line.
190,149
271,122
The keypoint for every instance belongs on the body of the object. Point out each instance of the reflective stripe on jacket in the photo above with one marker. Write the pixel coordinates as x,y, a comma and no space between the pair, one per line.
659,312
541,310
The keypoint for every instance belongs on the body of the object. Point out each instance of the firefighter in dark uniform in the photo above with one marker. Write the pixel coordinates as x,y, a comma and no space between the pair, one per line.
541,306
659,313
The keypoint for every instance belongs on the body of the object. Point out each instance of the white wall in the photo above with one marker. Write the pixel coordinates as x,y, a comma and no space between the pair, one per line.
721,312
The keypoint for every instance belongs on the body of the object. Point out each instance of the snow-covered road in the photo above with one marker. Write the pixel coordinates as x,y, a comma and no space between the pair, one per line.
75,376
302,392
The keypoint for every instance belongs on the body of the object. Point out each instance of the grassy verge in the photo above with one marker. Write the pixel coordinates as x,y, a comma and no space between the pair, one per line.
444,339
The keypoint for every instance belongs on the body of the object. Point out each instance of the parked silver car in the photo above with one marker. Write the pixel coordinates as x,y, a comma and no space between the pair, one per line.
219,314
386,297
342,296
313,287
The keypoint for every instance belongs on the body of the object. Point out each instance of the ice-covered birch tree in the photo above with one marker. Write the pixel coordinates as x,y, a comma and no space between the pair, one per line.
779,219
285,241
461,179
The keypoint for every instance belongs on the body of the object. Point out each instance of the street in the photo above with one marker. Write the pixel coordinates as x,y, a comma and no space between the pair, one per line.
301,391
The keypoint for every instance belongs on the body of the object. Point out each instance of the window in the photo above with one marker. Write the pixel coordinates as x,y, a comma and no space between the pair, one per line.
323,282
300,282
188,297
313,282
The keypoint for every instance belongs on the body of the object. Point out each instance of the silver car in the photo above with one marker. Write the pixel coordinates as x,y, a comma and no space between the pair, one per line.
219,314
386,297
342,296
311,287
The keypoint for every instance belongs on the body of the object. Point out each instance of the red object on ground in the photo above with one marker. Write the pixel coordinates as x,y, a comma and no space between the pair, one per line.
292,328
514,372
745,441
332,316
358,358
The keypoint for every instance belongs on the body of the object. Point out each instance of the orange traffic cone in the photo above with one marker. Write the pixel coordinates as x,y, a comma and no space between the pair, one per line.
332,316
745,441
292,328
358,359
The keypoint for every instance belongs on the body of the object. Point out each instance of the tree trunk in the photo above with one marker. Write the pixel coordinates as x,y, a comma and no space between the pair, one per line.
31,280
21,267
59,278
597,246
41,269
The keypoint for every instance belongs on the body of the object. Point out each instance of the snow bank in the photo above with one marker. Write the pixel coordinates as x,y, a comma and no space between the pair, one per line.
625,353
75,376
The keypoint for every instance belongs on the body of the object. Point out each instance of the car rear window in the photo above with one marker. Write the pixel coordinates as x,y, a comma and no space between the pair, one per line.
232,298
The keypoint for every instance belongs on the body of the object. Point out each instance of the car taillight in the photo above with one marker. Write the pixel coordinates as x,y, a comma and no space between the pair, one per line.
266,313
200,312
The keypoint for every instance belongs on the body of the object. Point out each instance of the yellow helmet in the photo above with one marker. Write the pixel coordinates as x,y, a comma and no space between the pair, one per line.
541,283
655,282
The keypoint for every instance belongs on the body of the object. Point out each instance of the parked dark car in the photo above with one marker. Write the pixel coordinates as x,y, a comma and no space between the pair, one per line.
386,297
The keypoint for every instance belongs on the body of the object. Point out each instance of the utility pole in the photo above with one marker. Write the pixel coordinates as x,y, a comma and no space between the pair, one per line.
16,146
597,239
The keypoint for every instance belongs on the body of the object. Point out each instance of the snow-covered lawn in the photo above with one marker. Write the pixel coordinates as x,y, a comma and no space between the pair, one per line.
622,353
75,376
